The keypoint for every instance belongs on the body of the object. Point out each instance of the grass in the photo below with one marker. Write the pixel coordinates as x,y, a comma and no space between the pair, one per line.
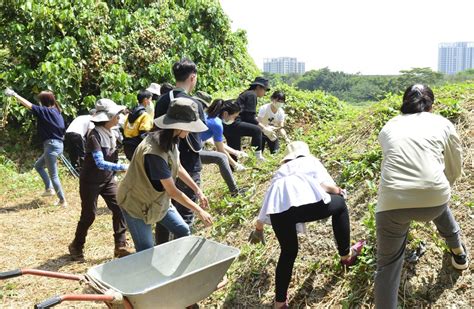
35,234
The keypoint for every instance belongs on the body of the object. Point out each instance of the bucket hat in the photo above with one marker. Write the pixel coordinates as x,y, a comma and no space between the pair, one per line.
105,110
203,97
154,88
295,150
182,114
261,81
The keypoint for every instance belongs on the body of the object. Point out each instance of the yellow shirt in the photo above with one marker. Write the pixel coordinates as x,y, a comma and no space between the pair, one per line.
143,123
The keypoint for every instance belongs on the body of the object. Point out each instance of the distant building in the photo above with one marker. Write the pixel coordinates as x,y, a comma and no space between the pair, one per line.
455,57
283,65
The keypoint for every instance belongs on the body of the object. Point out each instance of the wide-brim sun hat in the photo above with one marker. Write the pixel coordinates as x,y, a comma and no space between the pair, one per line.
296,149
154,88
203,97
105,110
182,114
261,81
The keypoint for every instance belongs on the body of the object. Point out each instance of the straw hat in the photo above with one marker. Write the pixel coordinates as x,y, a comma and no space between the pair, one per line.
105,110
295,150
182,114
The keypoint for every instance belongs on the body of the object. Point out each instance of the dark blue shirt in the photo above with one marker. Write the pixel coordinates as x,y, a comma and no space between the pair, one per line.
50,122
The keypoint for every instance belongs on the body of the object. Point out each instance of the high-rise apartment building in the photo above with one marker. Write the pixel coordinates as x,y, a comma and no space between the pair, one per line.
455,57
283,65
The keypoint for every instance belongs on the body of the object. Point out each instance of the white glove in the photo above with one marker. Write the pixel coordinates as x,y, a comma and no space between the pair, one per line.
242,155
239,167
9,92
267,130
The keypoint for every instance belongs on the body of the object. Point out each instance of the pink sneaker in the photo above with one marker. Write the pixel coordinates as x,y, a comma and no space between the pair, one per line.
355,250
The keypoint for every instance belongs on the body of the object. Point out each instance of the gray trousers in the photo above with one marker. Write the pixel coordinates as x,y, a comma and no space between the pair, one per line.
392,230
215,157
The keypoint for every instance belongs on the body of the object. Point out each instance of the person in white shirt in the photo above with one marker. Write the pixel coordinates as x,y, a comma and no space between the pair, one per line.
302,191
75,138
421,160
271,118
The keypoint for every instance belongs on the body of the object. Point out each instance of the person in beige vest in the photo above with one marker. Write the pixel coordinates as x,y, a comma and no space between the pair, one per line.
146,191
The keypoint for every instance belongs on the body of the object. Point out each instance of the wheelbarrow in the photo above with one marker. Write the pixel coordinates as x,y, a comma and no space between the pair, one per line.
176,274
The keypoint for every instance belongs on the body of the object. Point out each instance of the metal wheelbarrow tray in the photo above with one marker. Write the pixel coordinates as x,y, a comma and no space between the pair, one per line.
172,275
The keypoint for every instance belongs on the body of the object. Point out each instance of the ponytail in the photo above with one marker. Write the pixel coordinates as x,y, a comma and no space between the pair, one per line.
215,109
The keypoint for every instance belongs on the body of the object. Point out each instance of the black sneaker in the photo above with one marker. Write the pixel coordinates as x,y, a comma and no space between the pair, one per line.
239,192
76,253
460,261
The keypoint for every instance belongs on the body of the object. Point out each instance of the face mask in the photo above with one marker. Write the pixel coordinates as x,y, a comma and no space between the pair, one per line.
228,122
150,110
278,105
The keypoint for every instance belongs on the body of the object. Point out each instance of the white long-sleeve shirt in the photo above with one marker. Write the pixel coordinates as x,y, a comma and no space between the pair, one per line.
295,183
422,157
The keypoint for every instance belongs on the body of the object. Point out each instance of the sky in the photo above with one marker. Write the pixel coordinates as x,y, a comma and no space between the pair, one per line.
366,36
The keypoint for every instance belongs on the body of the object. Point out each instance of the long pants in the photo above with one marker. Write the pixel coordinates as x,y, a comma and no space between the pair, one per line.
392,230
52,148
215,157
74,146
142,233
234,132
161,232
272,145
284,225
89,193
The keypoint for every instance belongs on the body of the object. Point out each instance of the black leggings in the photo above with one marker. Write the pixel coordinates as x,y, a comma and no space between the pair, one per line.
284,225
235,131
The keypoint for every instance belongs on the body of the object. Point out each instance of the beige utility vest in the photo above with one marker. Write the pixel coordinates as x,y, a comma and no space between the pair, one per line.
136,194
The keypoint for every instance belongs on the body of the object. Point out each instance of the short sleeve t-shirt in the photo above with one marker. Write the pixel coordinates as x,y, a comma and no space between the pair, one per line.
90,172
156,168
50,122
216,130
268,117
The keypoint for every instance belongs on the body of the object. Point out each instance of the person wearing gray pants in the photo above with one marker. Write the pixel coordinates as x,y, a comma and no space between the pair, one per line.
392,231
422,157
214,157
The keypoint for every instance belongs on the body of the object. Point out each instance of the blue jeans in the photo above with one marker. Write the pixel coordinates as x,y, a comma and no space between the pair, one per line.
52,148
142,233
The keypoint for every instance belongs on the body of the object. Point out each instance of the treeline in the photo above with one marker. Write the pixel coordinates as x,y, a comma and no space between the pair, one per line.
86,49
357,88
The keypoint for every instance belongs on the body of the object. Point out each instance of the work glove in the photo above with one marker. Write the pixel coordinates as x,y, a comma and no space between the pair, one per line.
239,167
9,92
267,130
256,236
242,155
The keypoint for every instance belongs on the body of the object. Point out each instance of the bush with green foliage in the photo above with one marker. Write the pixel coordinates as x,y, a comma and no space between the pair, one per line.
86,49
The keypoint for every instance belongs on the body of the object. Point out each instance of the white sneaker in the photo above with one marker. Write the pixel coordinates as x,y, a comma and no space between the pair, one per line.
259,156
48,192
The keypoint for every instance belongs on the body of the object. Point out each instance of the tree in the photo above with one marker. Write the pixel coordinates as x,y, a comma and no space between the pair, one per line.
85,49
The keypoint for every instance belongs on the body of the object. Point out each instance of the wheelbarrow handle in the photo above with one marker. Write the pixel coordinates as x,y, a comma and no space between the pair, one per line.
37,272
53,301
10,274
